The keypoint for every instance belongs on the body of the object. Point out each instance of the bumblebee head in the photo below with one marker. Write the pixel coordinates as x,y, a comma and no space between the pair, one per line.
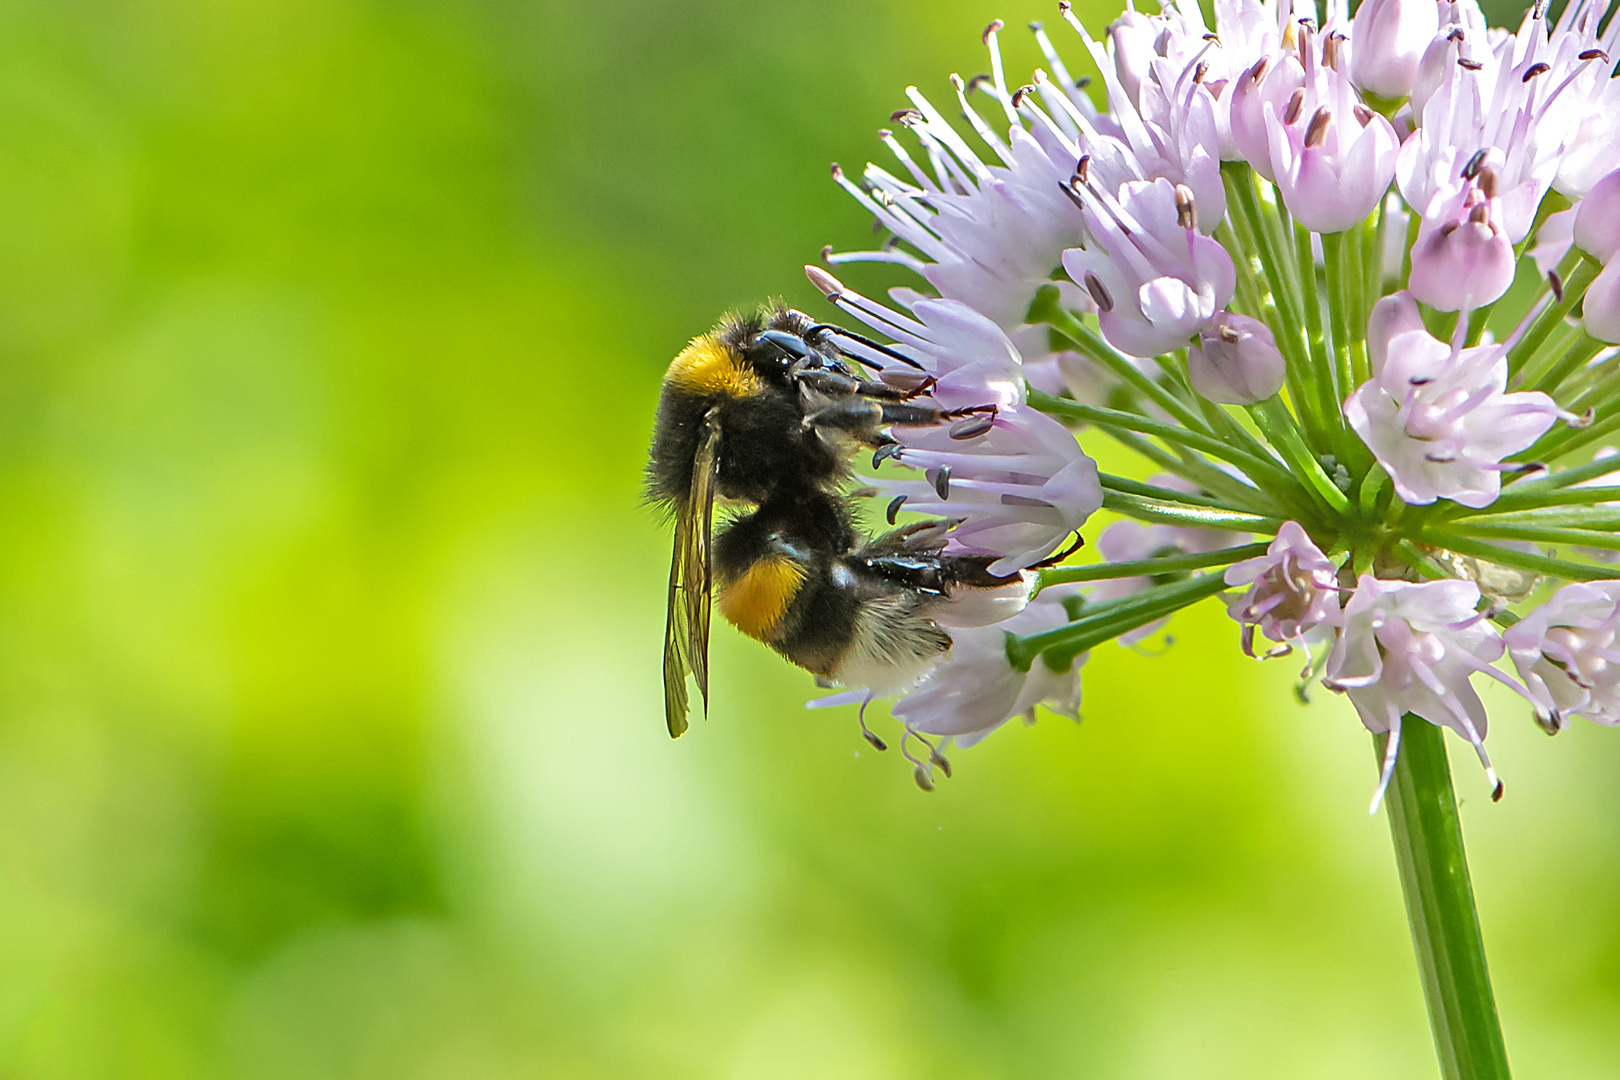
783,344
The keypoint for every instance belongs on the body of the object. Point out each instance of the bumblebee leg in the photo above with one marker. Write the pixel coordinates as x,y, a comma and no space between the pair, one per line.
834,384
1053,560
911,414
865,417
858,416
969,423
882,391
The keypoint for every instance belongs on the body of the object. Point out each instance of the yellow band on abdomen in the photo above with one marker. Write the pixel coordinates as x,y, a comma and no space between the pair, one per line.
755,602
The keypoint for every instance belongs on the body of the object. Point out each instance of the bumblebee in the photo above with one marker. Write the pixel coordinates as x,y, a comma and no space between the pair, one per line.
765,412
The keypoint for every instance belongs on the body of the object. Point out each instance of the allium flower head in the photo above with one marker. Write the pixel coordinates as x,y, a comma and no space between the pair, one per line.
1344,285
1276,258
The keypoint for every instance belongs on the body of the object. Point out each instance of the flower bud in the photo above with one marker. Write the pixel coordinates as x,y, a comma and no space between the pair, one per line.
1597,219
1462,258
1387,39
1236,361
1602,305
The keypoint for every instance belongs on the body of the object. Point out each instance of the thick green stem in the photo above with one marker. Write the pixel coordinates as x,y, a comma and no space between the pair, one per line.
1440,906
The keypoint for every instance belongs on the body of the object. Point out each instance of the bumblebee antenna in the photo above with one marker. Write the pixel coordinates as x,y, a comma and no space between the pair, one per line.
839,331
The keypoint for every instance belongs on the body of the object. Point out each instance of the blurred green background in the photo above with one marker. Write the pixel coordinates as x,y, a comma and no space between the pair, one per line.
330,734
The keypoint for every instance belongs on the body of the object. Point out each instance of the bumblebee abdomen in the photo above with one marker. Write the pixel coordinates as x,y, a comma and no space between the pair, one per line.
819,628
859,632
894,643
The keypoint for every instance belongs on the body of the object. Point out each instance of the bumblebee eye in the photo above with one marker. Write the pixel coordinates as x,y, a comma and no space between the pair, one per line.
785,349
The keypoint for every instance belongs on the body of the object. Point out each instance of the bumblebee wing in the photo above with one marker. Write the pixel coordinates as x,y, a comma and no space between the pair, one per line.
676,633
705,473
686,632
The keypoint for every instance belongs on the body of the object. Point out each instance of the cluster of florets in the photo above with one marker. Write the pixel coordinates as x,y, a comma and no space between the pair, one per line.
1275,259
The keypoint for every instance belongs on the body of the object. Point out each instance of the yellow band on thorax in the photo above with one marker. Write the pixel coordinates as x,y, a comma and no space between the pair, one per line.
707,366
755,602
